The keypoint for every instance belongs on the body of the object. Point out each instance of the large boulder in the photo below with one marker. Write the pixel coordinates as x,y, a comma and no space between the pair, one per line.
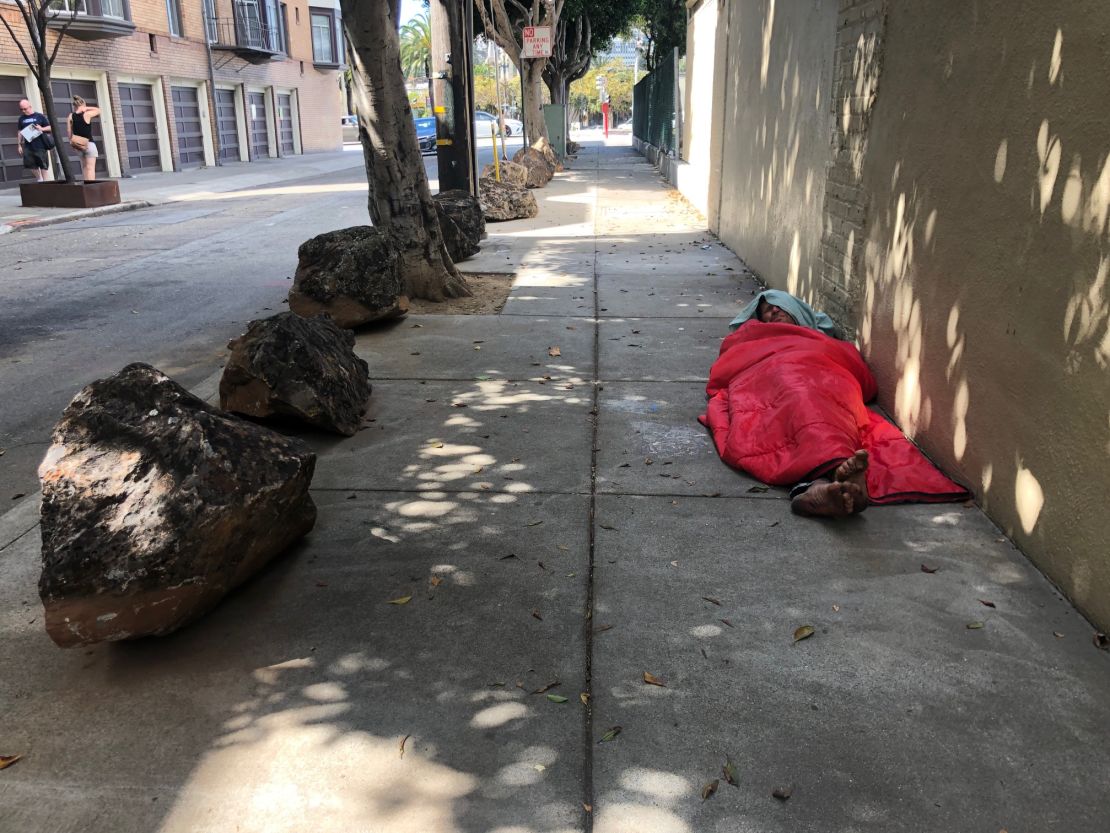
506,202
512,173
303,368
539,172
155,505
353,274
544,147
460,219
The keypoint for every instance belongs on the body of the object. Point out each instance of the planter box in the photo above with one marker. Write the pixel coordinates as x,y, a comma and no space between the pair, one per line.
63,195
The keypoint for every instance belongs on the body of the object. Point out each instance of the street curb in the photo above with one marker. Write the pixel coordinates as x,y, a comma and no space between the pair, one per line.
38,222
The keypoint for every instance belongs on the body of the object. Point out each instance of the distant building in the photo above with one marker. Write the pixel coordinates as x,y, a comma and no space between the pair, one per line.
622,49
274,88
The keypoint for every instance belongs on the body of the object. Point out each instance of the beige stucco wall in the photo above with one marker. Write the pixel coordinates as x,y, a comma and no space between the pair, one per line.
701,29
985,306
773,124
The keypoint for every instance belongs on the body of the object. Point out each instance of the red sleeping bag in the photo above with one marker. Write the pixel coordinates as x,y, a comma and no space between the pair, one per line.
786,404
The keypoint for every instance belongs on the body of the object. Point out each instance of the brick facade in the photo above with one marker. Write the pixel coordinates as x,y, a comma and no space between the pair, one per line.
857,65
150,55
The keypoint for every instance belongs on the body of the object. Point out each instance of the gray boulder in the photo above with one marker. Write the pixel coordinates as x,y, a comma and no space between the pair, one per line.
303,368
155,505
539,172
460,219
353,274
512,173
506,202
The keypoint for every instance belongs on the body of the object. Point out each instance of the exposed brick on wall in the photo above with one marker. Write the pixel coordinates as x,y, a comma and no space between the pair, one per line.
857,67
185,59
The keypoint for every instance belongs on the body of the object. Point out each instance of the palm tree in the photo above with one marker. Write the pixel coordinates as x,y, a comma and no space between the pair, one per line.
416,50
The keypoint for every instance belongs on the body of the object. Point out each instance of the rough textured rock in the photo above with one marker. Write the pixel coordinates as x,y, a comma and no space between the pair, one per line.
539,171
506,202
511,173
573,147
544,147
155,505
352,274
304,368
462,223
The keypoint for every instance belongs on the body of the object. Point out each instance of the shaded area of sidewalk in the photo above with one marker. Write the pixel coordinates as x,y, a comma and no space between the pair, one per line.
537,482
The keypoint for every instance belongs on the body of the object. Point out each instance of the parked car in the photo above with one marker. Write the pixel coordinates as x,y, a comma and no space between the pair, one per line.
483,120
350,128
426,134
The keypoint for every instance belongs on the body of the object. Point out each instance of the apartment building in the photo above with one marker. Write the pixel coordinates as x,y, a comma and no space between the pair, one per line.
184,83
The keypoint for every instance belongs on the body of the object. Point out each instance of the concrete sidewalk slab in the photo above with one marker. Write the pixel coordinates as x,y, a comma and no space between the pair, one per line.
501,439
659,349
468,347
673,298
650,443
869,719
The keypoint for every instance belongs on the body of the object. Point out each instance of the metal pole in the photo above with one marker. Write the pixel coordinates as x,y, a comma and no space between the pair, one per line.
677,109
215,116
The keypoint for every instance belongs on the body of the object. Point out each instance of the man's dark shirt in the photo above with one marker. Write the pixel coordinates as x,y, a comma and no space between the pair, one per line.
34,118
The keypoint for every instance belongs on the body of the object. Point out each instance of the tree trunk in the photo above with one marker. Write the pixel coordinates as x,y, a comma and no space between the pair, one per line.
400,199
531,71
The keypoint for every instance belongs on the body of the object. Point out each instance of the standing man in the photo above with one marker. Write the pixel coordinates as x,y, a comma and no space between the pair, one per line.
33,128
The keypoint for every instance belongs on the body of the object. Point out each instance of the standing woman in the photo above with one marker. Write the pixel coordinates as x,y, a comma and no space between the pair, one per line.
80,136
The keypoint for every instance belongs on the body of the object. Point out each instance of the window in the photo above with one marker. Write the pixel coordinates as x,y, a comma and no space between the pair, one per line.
93,8
210,21
284,20
173,17
325,48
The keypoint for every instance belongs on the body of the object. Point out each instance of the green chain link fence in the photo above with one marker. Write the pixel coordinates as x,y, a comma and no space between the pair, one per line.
653,108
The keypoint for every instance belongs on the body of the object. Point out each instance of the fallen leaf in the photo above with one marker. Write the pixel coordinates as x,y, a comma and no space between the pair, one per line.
556,698
610,735
624,465
437,445
321,584
603,628
606,526
507,557
974,626
554,351
540,565
7,760
651,679
985,603
1058,635
674,563
710,788
758,488
925,568
783,793
403,741
585,698
18,495
458,404
435,581
403,600
836,608
648,461
534,523
729,771
495,685
1101,640
547,687
728,623
804,632
711,600
536,615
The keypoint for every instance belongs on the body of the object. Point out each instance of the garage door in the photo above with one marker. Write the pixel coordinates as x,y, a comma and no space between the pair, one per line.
256,103
227,125
285,125
190,136
140,127
11,163
64,90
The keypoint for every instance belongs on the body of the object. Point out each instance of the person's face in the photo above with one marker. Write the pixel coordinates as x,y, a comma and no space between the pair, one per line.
770,314
25,107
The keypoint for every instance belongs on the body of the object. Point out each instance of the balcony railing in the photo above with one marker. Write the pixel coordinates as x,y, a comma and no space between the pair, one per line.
247,36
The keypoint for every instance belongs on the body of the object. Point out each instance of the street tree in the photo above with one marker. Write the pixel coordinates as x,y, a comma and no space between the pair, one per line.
587,27
416,51
39,18
585,93
663,22
400,199
503,22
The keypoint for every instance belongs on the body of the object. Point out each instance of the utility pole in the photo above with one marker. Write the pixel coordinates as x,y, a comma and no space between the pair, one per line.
451,70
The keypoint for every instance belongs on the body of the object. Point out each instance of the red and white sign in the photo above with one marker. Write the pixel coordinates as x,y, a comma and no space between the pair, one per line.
537,42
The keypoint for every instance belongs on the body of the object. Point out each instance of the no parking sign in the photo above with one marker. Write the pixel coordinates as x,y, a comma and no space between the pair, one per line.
537,42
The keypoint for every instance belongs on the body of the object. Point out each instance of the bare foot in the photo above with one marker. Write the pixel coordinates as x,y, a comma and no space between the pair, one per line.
830,499
853,469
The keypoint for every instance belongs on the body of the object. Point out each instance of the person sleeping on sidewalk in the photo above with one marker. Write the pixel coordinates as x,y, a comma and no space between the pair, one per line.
787,406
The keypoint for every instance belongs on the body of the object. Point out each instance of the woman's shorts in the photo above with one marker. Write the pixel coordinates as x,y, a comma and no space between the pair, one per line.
90,151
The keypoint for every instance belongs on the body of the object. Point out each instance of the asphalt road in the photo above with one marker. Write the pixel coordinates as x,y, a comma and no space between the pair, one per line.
168,286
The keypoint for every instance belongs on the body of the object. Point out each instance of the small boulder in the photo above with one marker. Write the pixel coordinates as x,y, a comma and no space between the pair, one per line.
511,173
460,219
573,147
352,274
506,202
304,368
544,147
539,173
155,505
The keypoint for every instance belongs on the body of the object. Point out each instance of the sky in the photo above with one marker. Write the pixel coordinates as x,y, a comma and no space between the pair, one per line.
409,10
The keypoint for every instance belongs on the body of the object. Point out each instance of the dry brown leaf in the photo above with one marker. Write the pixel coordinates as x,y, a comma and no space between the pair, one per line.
729,771
402,600
603,628
589,808
710,788
7,760
1101,640
986,603
783,793
403,741
725,621
536,615
804,632
651,679
435,581
585,698
711,600
925,568
1058,635
554,351
547,687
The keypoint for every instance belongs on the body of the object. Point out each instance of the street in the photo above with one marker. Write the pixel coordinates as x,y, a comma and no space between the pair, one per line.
168,286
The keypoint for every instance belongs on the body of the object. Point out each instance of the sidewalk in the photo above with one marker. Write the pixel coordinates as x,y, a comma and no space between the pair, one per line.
563,526
146,190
